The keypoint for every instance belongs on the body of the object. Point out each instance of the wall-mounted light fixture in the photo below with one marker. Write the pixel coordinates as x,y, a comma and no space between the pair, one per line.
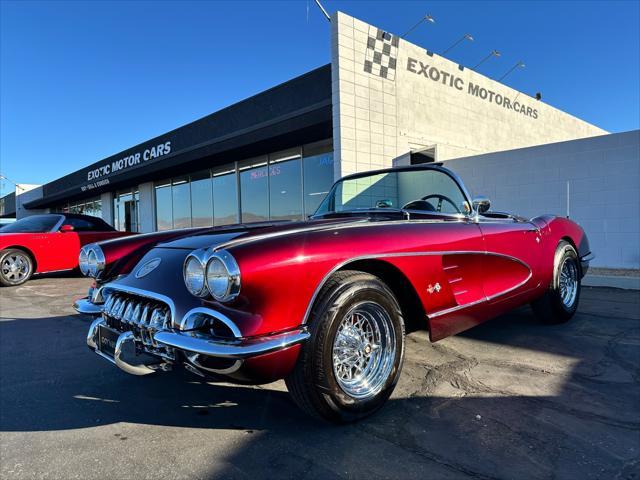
427,18
494,53
466,36
520,64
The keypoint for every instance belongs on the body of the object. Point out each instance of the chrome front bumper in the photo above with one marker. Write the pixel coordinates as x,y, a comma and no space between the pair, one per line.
193,346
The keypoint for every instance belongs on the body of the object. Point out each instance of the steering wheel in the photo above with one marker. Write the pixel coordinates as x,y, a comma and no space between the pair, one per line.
440,198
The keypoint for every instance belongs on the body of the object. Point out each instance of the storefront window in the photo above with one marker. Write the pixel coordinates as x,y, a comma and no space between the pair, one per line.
164,213
201,200
285,189
318,179
286,185
254,190
225,197
91,207
181,196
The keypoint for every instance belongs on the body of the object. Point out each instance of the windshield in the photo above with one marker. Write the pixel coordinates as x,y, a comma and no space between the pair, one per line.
417,190
33,224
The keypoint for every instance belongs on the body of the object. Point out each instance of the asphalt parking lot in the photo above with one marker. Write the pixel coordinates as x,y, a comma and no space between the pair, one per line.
509,399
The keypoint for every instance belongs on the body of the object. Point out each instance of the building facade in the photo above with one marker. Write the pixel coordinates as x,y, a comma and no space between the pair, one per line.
382,101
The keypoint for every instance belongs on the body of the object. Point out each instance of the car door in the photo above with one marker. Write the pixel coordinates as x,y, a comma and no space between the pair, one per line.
513,248
63,248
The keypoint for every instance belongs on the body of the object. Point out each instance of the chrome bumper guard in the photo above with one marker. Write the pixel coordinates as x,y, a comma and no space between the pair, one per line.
127,358
86,307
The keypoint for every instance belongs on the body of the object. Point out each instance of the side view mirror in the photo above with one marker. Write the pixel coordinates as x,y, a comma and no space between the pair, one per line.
66,228
481,204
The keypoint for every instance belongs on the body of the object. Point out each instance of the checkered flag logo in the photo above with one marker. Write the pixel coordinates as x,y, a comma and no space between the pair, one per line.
382,54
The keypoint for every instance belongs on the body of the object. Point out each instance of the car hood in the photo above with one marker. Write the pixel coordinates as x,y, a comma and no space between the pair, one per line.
227,236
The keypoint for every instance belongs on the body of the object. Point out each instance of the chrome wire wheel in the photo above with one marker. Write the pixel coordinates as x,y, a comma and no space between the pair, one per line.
15,267
364,350
568,282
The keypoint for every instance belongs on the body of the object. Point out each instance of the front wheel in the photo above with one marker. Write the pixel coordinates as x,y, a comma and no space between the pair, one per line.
351,363
560,301
16,267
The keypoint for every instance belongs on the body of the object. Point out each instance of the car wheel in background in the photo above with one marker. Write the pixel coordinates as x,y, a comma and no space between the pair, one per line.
16,267
560,301
351,363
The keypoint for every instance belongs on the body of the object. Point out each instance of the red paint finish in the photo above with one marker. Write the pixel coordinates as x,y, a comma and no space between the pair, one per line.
462,271
122,254
482,268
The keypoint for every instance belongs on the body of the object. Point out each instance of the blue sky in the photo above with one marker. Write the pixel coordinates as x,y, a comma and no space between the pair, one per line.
83,80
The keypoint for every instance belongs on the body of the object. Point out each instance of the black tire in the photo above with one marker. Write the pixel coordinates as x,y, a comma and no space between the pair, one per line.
552,307
313,383
9,277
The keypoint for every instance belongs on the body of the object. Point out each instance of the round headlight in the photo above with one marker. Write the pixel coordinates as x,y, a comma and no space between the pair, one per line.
218,278
223,277
95,262
83,262
194,277
92,263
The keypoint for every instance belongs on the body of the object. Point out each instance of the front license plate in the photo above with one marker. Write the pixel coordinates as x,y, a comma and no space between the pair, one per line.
107,338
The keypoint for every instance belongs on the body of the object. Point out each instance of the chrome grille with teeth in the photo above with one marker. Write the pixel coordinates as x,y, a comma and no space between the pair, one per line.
144,317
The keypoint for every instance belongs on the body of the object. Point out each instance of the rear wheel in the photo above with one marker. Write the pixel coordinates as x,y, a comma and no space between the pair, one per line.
16,267
560,301
349,367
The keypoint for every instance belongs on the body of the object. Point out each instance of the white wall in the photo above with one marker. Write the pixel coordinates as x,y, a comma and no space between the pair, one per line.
425,100
603,174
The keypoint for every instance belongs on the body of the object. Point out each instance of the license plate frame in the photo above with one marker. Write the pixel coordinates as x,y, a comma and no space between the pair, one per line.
107,338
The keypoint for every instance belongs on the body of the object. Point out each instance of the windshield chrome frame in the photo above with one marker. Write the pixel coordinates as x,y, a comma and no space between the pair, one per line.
56,227
472,215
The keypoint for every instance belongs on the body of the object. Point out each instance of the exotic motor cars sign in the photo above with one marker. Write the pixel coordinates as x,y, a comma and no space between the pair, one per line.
129,161
439,75
99,176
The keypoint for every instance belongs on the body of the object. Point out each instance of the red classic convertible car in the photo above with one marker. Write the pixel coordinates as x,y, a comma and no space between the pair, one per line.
325,303
47,243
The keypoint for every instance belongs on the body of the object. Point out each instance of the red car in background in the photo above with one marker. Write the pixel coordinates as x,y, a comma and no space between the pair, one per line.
47,243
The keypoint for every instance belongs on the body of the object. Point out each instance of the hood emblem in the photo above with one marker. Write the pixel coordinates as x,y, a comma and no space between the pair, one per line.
148,267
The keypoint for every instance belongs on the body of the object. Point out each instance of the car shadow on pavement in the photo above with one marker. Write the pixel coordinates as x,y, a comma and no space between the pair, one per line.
508,399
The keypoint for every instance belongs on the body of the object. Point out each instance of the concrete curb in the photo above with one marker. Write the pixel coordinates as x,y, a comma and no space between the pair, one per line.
627,283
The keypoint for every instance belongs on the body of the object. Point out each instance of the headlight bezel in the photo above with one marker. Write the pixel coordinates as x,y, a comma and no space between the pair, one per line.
193,256
231,270
91,253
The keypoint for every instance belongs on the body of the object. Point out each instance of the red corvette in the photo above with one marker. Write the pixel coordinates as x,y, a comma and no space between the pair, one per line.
47,243
325,303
